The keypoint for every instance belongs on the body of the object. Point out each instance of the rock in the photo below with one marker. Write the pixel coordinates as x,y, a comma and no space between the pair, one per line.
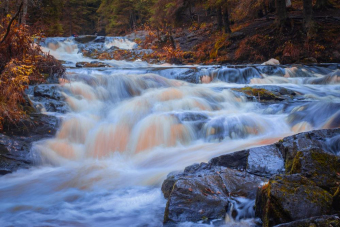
48,91
93,64
202,192
85,38
100,39
237,36
260,94
16,141
238,75
322,221
320,167
309,60
265,161
290,198
272,61
319,139
196,199
169,183
47,98
261,161
236,160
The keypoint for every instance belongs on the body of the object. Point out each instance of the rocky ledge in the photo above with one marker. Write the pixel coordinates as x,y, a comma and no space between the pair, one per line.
16,140
294,181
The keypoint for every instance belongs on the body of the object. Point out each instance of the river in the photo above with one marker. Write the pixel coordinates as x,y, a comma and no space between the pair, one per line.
131,124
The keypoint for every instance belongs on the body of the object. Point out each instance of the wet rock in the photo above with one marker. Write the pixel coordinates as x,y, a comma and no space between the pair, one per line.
85,38
319,139
263,95
93,64
302,193
238,75
169,183
48,91
261,161
203,192
100,39
320,167
47,98
265,161
16,141
196,199
236,160
290,198
321,221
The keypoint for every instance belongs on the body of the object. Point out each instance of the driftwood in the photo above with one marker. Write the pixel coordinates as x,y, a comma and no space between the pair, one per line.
11,22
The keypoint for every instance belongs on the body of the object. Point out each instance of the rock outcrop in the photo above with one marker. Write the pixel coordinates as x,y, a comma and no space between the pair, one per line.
303,172
16,141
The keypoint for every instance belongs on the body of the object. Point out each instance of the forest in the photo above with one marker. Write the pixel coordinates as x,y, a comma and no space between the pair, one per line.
114,17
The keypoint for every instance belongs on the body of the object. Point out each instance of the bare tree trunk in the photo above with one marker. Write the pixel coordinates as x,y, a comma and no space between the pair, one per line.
226,20
307,14
322,4
7,7
219,19
24,11
281,13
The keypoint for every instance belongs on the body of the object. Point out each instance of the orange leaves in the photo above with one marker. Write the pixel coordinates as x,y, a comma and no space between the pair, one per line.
21,62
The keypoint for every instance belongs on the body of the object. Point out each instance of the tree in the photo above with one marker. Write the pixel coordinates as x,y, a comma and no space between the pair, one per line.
307,14
281,13
226,21
322,4
24,11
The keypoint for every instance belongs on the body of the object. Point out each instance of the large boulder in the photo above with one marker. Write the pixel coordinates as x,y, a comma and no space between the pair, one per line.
320,167
204,192
290,198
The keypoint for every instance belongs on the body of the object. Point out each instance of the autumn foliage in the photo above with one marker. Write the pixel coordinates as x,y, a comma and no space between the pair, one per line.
21,63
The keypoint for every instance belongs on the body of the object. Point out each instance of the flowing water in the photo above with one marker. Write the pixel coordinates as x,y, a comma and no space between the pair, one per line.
132,124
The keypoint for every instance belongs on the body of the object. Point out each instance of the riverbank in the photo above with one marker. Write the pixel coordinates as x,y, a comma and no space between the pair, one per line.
252,41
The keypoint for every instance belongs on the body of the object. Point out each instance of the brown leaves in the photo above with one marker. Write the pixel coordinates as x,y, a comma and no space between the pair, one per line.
21,63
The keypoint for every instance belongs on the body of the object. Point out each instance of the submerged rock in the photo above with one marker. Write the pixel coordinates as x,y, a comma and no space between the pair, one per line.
93,64
267,93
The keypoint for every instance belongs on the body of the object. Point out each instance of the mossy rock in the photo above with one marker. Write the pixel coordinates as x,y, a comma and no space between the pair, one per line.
290,198
320,167
321,221
259,93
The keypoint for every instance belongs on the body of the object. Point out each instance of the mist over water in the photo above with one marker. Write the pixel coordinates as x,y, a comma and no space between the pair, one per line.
132,125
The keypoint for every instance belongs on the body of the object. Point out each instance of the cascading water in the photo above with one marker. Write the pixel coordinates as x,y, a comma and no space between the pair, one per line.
128,128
